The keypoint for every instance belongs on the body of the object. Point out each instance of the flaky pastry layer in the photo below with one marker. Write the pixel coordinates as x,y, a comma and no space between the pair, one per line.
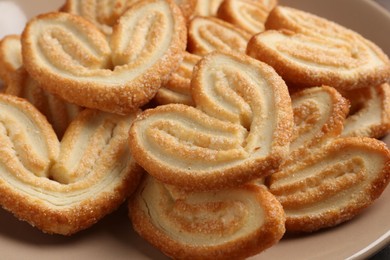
370,112
177,89
207,34
63,187
240,129
333,184
10,57
234,223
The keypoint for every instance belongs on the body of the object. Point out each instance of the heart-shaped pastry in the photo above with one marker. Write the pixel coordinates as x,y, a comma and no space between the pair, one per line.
332,184
63,187
307,50
207,34
248,15
240,129
370,112
10,57
177,89
229,224
69,56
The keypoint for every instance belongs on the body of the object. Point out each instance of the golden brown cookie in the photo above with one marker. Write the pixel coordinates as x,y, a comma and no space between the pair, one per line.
69,56
207,34
307,50
239,131
229,224
177,89
333,184
370,112
63,187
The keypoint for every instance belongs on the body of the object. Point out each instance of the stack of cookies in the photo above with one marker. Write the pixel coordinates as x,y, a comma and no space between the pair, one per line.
224,123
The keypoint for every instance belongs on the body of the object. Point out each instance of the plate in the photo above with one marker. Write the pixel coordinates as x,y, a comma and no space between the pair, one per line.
114,238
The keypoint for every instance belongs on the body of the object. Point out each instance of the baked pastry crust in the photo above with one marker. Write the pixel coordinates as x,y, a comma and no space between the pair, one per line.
319,115
370,112
10,57
70,57
65,187
333,184
208,34
307,50
102,13
58,112
207,7
248,15
177,89
229,224
239,131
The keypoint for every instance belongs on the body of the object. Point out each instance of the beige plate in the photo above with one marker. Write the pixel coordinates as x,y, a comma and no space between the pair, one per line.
113,237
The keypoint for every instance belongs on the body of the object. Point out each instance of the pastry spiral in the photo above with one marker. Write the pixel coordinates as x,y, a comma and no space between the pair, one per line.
333,184
240,129
70,57
207,34
63,187
319,114
307,50
234,223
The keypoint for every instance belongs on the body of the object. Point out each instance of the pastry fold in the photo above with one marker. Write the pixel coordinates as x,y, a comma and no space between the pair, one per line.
63,187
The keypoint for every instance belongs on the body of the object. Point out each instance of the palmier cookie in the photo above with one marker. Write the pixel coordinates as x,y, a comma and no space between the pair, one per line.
207,34
332,184
177,89
63,187
239,131
319,114
10,57
248,15
105,13
370,112
229,224
307,50
70,57
58,112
